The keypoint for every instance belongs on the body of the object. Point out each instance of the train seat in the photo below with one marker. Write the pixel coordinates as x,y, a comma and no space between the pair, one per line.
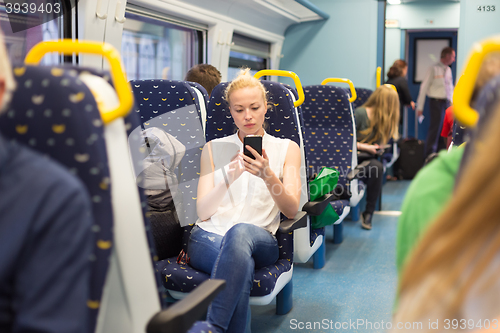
316,235
179,109
69,130
153,98
362,95
331,139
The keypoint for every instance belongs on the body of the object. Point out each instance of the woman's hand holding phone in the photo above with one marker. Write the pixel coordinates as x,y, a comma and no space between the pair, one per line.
259,166
372,149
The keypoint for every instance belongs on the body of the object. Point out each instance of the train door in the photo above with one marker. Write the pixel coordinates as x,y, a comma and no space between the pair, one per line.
423,48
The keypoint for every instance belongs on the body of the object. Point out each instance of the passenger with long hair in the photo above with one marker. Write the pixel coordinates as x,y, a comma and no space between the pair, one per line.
453,271
239,204
397,77
376,122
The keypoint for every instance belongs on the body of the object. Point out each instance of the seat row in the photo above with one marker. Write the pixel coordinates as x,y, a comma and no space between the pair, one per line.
178,109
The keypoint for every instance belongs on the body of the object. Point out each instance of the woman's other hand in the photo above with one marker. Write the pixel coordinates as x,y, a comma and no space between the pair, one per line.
372,149
412,103
259,166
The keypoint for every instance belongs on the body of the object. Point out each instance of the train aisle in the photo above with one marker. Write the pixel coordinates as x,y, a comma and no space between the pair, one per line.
355,290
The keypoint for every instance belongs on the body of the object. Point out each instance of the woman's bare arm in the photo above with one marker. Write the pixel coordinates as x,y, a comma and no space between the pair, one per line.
209,197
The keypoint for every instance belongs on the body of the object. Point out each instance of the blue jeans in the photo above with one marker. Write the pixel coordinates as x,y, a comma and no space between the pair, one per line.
233,258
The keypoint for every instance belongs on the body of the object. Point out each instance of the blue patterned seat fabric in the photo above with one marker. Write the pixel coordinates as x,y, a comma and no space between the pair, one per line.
314,233
363,95
202,327
221,124
54,112
329,130
173,106
458,133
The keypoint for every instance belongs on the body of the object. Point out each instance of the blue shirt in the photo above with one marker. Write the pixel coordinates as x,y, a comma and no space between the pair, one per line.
45,244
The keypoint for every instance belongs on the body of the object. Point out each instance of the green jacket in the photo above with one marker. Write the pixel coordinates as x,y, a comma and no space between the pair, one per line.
427,195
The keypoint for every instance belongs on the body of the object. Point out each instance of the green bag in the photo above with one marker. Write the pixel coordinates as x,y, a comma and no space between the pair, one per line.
324,183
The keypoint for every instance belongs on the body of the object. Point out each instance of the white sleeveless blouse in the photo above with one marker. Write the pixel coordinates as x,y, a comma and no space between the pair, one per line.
253,203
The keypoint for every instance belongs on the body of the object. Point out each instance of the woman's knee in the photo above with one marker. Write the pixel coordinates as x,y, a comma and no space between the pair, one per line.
239,234
375,169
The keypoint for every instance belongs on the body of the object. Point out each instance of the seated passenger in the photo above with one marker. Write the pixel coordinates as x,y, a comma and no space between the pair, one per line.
452,274
432,187
376,122
45,237
239,204
206,75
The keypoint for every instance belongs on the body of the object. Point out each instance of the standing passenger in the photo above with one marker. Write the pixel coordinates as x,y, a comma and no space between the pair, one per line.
376,122
239,204
397,77
438,85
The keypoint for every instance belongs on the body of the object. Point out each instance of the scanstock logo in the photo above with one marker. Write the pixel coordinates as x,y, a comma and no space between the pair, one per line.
26,14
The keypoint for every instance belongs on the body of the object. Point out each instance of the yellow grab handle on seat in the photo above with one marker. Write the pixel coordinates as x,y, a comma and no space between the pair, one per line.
349,82
393,87
379,75
289,74
69,46
465,85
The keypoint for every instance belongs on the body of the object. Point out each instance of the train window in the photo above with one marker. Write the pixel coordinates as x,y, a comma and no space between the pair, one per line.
19,43
155,49
247,52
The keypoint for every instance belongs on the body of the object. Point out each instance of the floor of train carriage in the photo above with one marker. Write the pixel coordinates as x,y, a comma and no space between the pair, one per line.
356,287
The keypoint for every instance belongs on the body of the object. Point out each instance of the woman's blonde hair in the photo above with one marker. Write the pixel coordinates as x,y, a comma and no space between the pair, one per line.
384,103
6,74
244,80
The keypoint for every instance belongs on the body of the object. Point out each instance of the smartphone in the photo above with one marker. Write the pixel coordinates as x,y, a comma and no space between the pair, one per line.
254,141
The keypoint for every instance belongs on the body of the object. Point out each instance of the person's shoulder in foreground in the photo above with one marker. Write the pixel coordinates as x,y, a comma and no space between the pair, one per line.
45,241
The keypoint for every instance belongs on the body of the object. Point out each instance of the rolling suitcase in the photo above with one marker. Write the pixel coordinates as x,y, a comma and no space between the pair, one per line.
411,158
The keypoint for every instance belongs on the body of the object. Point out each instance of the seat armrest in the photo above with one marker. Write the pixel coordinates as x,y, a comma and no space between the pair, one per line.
180,316
300,221
355,172
317,207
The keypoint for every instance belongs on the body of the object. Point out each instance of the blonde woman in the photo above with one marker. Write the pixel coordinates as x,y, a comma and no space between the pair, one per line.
239,204
452,275
376,122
